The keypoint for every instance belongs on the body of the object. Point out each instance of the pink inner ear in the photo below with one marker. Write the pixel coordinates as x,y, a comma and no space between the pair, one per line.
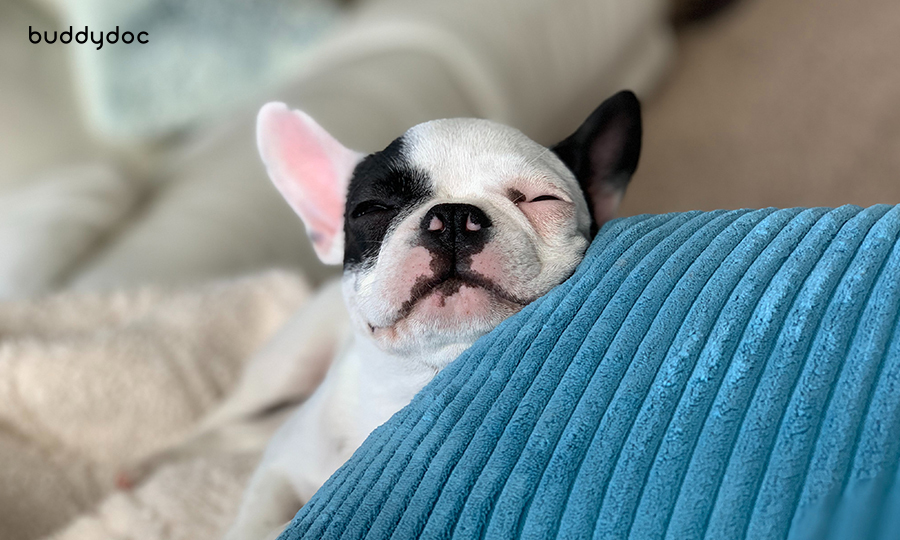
311,170
310,182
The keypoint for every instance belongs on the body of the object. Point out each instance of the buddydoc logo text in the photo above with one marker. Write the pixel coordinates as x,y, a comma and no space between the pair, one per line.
81,37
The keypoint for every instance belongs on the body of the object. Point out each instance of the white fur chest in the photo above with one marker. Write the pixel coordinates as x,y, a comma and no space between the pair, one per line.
363,388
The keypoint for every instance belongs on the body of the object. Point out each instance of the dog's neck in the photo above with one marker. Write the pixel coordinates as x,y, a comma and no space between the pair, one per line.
424,362
388,382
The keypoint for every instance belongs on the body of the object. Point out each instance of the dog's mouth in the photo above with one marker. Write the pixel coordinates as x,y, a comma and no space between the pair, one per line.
443,289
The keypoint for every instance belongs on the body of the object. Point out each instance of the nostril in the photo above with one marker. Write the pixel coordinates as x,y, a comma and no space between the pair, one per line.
475,219
435,224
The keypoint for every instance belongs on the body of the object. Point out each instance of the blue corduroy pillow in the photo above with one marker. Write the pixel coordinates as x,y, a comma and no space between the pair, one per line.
728,374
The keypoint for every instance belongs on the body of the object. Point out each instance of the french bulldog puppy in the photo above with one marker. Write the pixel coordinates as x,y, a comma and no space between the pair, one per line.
452,228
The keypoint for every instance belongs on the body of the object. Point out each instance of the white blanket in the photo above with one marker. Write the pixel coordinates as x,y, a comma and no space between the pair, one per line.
92,382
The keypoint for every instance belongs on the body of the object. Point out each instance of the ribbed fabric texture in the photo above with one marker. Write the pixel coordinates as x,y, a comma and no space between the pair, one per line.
728,374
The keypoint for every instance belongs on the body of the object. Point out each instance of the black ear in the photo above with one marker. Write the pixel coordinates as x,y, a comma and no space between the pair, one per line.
604,152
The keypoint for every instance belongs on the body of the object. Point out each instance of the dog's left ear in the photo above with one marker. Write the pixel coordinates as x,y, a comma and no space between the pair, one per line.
603,153
312,170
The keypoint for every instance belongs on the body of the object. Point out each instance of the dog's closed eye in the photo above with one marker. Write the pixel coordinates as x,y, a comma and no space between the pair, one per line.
545,198
544,209
370,207
518,198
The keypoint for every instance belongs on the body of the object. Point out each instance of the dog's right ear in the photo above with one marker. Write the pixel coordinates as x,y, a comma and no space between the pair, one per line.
312,170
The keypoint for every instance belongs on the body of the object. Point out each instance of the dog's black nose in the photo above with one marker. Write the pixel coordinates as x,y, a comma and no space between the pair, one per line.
456,227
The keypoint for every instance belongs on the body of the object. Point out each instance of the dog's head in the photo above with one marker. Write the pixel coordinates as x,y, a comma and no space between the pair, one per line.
457,224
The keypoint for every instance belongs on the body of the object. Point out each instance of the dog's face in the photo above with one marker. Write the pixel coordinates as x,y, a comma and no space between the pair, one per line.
456,225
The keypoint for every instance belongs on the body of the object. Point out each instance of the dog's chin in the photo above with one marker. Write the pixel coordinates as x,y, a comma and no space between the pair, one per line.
453,313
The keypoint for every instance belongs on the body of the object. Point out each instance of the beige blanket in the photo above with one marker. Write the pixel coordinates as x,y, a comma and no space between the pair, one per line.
89,383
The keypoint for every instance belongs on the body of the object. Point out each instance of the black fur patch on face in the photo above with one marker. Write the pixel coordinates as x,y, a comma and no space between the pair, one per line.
384,187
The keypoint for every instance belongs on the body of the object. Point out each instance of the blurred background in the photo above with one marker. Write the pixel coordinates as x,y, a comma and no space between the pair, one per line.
136,163
134,166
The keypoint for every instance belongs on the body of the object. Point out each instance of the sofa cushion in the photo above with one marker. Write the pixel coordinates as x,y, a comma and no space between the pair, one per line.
727,374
